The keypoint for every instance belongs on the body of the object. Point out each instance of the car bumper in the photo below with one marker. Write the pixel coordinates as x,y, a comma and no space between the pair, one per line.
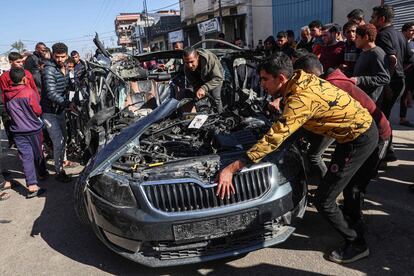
147,236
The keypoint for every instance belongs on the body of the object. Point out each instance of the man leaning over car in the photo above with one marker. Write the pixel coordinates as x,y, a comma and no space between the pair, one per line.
204,72
319,107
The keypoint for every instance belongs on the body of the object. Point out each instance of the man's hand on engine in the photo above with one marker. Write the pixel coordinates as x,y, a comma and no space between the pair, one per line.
225,179
200,93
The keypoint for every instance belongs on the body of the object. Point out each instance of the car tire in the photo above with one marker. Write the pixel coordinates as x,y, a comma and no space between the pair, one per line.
79,202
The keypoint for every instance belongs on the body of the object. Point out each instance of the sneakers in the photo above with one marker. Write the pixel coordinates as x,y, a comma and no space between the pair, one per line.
63,177
350,252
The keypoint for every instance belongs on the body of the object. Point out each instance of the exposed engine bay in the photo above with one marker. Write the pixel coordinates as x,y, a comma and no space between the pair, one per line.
179,140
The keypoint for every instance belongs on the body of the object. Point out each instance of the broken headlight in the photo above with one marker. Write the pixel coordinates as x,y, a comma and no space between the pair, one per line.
114,189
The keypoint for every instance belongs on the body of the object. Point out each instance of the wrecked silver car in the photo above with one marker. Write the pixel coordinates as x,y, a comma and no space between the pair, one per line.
150,193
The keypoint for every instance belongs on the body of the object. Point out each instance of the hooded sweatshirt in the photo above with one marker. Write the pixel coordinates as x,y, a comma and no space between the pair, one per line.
6,83
319,107
339,79
22,104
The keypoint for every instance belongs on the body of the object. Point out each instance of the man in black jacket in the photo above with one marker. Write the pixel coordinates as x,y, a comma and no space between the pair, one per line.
54,102
32,63
398,52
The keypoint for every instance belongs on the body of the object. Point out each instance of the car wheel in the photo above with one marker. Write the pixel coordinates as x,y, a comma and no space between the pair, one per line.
79,202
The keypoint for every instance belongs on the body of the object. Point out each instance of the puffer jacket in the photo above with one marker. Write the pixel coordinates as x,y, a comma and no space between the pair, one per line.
54,93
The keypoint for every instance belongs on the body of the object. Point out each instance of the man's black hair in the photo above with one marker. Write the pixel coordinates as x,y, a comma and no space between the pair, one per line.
315,23
407,26
71,60
17,74
385,11
357,14
188,51
60,48
277,64
221,35
348,25
281,34
290,33
13,56
332,28
73,53
40,44
270,39
301,52
309,63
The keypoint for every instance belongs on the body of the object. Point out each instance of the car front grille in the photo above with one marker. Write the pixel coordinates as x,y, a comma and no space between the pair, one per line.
189,196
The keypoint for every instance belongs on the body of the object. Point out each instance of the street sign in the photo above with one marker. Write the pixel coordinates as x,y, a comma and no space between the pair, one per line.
209,26
175,36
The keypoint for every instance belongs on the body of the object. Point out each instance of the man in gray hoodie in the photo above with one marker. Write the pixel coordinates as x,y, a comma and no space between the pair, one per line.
204,73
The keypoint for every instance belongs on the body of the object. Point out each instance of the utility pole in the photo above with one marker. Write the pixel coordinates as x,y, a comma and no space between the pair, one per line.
148,33
220,16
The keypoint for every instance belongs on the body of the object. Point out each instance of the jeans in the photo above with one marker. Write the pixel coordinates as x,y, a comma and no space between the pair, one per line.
56,127
346,161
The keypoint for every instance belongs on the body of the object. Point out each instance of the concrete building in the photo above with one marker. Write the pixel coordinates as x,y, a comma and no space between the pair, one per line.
151,30
237,19
124,23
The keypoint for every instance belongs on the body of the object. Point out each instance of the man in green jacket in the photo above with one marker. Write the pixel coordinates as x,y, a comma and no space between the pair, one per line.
204,72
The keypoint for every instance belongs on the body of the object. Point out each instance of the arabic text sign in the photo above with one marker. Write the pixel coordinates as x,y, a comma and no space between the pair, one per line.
209,26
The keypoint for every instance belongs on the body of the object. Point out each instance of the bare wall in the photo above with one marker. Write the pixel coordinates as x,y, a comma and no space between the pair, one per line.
262,20
341,8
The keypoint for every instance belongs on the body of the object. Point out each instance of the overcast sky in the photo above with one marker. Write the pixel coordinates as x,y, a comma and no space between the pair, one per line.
72,21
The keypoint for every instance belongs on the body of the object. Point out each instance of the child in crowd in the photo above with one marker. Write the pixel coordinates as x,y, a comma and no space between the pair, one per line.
22,104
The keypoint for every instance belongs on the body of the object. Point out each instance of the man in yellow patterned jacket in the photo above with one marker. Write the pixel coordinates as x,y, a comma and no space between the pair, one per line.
320,107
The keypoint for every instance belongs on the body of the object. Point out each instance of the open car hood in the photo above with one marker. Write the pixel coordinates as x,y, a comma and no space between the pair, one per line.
121,143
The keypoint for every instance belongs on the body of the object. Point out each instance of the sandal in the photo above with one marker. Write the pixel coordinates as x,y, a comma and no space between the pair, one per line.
36,193
12,185
4,196
70,164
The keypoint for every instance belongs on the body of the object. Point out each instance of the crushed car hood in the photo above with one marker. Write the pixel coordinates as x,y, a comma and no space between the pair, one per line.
119,145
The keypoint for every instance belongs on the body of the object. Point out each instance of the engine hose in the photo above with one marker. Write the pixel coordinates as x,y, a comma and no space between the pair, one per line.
123,168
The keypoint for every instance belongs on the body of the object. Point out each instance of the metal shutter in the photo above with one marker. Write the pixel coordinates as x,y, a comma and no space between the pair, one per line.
404,12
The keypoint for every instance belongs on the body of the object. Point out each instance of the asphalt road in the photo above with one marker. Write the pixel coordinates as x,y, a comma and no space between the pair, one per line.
42,236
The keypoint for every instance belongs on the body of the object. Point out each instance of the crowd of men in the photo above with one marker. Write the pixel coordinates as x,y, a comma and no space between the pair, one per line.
337,84
34,100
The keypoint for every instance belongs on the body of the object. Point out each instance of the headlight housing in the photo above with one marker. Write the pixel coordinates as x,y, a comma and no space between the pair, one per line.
113,188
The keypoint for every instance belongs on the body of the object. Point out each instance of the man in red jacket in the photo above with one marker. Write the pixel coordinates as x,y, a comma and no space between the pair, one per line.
354,192
23,105
16,61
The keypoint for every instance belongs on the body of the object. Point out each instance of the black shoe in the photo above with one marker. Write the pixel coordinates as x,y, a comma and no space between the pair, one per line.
63,177
350,252
390,157
37,193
